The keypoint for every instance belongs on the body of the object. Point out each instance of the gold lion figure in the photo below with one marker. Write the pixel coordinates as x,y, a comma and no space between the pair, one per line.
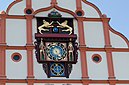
46,25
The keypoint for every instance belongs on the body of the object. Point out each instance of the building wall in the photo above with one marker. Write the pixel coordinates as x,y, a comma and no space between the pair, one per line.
56,84
116,40
98,84
122,84
94,34
95,37
41,4
89,11
16,83
120,60
17,9
64,4
16,70
45,14
97,71
16,32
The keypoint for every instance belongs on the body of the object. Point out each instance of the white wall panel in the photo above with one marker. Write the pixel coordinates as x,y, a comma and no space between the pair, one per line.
57,84
89,11
76,84
16,84
16,70
98,84
117,41
121,64
18,8
41,4
94,36
39,84
76,29
97,70
45,14
16,32
122,84
34,28
67,4
40,74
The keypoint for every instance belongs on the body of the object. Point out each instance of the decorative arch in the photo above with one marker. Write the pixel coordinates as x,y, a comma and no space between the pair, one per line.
56,7
95,7
11,5
42,10
66,10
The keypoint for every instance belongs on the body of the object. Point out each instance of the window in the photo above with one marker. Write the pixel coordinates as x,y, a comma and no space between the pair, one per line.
16,57
28,11
79,13
96,58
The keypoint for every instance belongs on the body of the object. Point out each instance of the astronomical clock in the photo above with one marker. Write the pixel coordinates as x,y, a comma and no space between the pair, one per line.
55,45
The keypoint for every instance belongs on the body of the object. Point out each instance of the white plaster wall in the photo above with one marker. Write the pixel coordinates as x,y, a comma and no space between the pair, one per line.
16,84
45,14
34,28
40,74
16,32
75,84
89,11
98,84
16,70
117,41
39,84
97,71
18,8
122,84
121,64
76,29
41,4
94,35
55,84
67,4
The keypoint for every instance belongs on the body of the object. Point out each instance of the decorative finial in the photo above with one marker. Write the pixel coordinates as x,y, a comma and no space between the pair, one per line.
104,16
2,12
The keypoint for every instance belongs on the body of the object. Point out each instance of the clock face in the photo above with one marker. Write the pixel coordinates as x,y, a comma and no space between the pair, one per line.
56,51
57,69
